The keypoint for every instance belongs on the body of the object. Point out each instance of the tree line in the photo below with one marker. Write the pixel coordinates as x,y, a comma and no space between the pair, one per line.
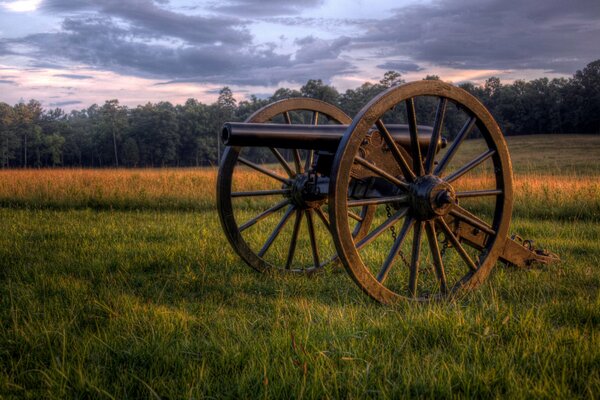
162,134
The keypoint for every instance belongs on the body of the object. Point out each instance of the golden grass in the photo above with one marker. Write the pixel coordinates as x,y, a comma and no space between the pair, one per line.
52,185
551,195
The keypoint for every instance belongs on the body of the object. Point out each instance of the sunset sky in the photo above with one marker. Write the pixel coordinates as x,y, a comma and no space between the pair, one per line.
72,54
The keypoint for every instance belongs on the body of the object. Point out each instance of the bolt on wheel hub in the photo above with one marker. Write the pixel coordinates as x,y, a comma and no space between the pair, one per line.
302,195
431,197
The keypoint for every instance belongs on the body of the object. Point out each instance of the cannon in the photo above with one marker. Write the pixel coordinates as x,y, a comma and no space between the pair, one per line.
408,213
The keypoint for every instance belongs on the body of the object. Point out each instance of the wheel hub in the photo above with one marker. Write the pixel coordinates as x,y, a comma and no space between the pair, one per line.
303,195
431,197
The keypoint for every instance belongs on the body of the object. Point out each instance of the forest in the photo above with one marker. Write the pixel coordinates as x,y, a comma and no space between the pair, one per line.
166,135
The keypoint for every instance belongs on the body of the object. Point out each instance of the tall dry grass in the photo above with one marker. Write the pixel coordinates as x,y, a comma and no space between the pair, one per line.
536,195
109,188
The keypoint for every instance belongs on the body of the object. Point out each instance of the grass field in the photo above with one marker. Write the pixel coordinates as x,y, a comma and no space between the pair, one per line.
120,284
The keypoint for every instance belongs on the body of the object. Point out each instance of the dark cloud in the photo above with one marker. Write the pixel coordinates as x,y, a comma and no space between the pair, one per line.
491,34
74,76
217,91
103,43
148,38
65,103
5,48
265,8
401,66
45,64
147,18
313,49
8,82
145,38
321,23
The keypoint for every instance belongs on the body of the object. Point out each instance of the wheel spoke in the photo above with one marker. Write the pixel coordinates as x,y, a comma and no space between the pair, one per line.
355,216
375,233
437,257
276,231
313,238
414,137
261,193
297,161
323,218
315,118
282,161
378,200
471,219
372,167
414,260
387,264
263,215
456,243
435,135
464,132
310,155
296,152
309,160
294,239
263,170
389,140
479,193
470,165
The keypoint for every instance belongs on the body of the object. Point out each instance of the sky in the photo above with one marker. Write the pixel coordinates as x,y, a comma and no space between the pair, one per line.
71,54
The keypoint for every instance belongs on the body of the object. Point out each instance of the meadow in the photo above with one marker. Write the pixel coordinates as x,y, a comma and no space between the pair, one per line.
120,284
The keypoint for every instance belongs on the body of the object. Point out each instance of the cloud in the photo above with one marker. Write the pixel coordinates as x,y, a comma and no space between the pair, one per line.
74,76
5,49
44,64
150,20
65,103
490,34
213,44
264,8
20,5
8,82
314,49
104,43
401,66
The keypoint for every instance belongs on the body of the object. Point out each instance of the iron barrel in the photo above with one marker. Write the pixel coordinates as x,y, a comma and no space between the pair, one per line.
310,137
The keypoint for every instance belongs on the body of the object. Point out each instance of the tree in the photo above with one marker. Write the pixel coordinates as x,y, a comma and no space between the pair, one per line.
316,89
130,153
284,93
224,112
491,86
391,78
27,117
113,125
354,99
8,139
586,83
160,134
53,148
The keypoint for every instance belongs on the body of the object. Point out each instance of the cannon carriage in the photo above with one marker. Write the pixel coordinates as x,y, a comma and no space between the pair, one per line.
409,214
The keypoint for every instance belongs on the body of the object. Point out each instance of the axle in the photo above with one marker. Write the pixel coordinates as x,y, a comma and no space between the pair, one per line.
313,137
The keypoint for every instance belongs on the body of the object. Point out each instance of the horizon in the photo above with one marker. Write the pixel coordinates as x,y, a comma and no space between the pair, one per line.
74,54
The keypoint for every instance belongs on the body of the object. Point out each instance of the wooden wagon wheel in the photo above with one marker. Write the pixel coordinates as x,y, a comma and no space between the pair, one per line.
276,197
427,191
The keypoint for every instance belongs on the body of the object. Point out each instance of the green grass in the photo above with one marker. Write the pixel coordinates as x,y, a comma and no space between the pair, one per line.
152,303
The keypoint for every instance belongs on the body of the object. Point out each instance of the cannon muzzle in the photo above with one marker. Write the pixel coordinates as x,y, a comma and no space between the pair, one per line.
313,137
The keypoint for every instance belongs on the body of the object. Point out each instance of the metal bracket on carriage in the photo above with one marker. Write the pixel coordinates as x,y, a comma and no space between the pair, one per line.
517,251
523,253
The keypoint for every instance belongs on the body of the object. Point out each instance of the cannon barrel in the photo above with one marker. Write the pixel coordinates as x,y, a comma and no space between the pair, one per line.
314,137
